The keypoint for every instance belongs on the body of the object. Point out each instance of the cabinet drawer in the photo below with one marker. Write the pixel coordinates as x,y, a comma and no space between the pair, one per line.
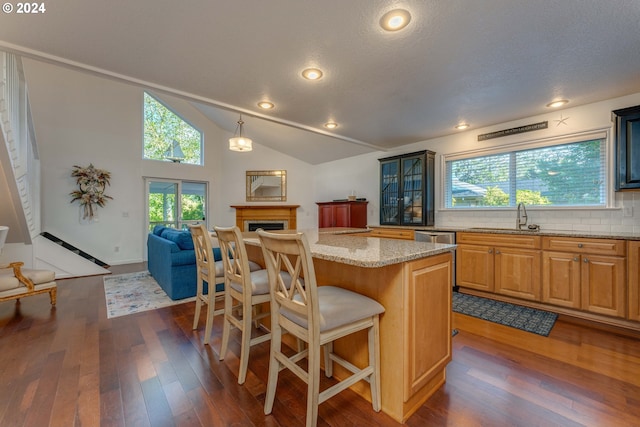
506,240
392,233
585,246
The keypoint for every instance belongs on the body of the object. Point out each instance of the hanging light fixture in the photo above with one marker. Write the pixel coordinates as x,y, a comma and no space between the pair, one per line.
239,142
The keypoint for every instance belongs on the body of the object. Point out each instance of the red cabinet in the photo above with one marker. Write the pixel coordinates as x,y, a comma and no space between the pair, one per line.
342,214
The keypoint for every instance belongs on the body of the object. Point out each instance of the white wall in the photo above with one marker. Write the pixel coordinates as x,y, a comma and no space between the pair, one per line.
362,174
81,119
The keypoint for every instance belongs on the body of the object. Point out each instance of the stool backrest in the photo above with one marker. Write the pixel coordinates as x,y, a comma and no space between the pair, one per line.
290,252
234,257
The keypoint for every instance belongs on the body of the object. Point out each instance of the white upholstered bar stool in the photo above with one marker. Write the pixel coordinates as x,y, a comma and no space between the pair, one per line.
318,316
247,288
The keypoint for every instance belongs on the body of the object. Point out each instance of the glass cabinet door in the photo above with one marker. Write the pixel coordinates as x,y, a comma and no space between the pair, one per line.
406,189
389,190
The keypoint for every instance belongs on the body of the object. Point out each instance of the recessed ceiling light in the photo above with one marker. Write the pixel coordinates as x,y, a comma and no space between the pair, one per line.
558,103
395,20
266,105
462,126
331,125
312,74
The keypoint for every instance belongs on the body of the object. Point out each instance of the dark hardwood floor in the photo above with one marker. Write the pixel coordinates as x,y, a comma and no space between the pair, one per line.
71,366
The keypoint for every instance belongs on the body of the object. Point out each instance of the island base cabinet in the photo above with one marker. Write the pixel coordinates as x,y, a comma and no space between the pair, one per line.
415,329
634,281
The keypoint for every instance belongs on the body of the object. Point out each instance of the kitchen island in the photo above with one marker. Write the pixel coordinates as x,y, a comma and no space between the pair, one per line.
412,280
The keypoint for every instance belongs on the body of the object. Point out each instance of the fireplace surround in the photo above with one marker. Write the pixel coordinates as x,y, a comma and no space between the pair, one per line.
285,215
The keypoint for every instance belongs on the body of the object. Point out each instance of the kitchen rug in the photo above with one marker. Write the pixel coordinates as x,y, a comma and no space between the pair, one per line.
135,292
524,318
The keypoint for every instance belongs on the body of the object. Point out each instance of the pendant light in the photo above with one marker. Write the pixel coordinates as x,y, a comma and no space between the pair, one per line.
239,142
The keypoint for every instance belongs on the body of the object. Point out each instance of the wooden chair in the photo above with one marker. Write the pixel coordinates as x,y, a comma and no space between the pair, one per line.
207,267
318,316
248,288
16,282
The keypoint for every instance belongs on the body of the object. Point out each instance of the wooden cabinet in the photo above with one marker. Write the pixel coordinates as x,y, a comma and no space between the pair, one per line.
633,262
392,233
627,141
587,274
501,263
406,189
342,214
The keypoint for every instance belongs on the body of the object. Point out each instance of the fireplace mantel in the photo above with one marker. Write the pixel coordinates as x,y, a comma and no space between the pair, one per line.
285,213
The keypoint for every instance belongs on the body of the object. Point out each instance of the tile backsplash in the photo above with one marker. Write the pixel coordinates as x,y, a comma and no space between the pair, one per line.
624,218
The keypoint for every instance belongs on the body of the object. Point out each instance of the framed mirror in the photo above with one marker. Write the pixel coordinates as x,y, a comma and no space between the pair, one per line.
267,186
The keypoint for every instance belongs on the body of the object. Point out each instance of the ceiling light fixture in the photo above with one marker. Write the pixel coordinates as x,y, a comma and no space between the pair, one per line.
462,126
266,105
312,74
395,20
558,103
240,143
331,125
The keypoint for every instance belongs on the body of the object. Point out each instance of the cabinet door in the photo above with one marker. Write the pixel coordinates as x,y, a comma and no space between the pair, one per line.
517,273
474,267
389,191
561,279
325,216
604,285
634,281
342,215
627,148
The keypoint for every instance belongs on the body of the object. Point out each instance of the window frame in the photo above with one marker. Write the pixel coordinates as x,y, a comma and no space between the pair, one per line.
599,133
164,104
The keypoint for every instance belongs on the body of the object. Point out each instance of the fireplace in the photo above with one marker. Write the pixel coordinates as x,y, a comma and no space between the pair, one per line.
266,225
267,217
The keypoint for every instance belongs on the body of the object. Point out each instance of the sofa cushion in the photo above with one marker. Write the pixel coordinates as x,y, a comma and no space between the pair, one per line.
158,229
181,238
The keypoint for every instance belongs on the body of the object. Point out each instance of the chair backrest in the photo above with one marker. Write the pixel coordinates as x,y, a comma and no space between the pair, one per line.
203,249
290,252
234,258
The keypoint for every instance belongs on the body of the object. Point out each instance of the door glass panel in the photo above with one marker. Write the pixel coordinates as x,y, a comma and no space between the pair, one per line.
412,173
193,199
389,192
163,209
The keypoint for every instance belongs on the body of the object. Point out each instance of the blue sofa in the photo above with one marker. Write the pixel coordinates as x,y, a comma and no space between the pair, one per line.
172,261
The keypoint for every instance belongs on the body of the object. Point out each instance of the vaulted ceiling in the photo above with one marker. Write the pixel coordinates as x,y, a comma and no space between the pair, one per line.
476,61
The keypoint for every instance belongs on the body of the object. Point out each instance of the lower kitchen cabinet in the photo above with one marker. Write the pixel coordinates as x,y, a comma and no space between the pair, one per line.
500,263
392,233
633,263
586,274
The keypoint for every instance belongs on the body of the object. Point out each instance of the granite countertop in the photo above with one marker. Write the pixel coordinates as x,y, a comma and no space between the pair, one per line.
371,252
543,232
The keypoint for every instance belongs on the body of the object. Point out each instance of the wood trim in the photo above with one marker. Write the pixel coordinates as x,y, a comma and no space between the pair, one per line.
266,213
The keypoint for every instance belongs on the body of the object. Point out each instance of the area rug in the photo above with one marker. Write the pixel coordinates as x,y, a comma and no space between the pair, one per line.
527,319
135,292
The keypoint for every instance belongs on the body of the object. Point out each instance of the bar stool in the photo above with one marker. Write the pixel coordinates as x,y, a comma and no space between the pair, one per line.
248,288
318,316
208,267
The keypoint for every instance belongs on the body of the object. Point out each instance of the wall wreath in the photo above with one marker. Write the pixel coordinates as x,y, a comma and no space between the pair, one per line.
92,183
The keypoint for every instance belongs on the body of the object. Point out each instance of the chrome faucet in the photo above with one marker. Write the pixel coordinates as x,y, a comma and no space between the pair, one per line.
519,222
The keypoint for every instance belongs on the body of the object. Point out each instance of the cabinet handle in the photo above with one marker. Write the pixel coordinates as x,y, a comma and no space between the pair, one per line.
579,245
576,259
586,260
490,251
497,252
